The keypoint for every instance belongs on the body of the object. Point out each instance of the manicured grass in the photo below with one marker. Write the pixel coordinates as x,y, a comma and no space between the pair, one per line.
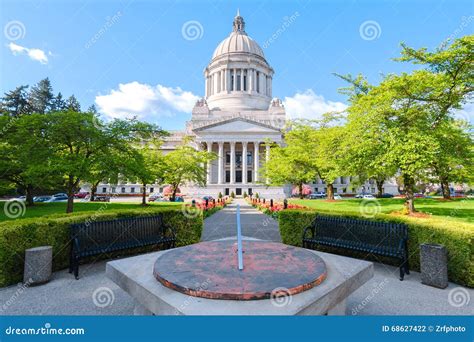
52,209
454,210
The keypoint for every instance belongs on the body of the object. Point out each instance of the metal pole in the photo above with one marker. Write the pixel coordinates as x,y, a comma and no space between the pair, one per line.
239,240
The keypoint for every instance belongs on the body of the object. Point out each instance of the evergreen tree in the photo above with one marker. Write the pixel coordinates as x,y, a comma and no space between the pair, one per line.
92,109
73,104
58,103
15,102
41,96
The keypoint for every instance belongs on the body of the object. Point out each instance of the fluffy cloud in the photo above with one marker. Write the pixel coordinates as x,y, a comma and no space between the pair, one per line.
34,54
309,105
146,102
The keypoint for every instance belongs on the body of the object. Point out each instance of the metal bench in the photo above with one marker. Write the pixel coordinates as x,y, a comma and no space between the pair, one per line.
98,237
381,238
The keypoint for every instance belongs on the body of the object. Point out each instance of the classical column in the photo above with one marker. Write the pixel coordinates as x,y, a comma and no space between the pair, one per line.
234,83
209,164
244,162
221,163
242,79
222,80
225,80
267,157
207,87
232,162
250,80
264,84
256,160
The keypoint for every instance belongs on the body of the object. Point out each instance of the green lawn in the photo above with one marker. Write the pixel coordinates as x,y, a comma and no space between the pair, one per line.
456,210
46,209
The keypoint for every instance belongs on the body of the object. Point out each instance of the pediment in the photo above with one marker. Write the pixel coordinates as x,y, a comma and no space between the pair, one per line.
238,125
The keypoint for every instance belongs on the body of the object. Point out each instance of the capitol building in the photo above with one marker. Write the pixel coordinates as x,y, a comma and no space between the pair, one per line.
238,119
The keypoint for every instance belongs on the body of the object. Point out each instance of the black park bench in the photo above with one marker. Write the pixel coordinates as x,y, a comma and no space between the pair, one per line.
98,237
375,237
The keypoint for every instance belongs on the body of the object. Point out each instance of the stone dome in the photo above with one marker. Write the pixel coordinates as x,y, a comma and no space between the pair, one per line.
238,41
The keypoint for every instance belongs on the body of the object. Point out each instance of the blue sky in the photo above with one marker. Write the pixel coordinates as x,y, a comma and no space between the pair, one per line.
90,48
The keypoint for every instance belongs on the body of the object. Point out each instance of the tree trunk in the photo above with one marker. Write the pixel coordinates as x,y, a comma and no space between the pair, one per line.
94,190
330,192
71,190
445,188
144,194
173,194
409,185
29,195
300,190
380,187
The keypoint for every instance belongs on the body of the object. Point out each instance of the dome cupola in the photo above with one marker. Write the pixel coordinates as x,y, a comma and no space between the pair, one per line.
238,76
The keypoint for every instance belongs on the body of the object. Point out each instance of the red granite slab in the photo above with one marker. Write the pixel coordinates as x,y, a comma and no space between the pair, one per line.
209,270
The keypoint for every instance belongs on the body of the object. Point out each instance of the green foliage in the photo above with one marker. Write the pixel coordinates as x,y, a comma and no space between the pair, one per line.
232,194
245,194
257,195
219,195
456,237
185,164
18,235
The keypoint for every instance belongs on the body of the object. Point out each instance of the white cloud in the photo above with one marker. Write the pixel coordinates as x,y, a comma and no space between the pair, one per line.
146,102
309,105
35,54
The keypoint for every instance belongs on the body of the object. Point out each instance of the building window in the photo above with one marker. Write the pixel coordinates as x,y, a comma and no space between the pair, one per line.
123,190
227,157
249,176
151,190
344,190
227,176
113,189
238,159
245,83
238,176
238,81
249,158
104,190
132,190
232,82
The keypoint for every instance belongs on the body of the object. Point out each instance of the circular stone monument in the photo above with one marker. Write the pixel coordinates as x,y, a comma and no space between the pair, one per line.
209,270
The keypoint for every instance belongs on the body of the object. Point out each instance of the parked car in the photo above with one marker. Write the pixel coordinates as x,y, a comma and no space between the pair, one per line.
179,199
368,196
337,197
317,195
156,197
41,199
60,194
81,195
359,196
102,199
57,199
21,198
418,195
386,195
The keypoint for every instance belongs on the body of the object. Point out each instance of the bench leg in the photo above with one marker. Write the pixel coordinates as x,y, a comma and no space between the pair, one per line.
76,270
407,267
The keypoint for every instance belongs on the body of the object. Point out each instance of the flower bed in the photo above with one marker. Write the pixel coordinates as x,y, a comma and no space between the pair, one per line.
270,208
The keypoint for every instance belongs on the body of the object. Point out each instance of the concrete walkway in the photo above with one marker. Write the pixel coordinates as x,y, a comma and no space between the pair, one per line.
254,223
95,294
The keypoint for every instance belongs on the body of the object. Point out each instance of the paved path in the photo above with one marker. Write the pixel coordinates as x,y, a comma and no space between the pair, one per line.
254,224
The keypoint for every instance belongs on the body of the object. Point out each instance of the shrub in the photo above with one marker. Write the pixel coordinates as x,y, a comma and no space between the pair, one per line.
245,194
256,195
457,237
232,194
219,195
18,235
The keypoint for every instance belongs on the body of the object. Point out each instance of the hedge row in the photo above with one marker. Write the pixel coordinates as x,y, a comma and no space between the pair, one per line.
18,235
458,237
